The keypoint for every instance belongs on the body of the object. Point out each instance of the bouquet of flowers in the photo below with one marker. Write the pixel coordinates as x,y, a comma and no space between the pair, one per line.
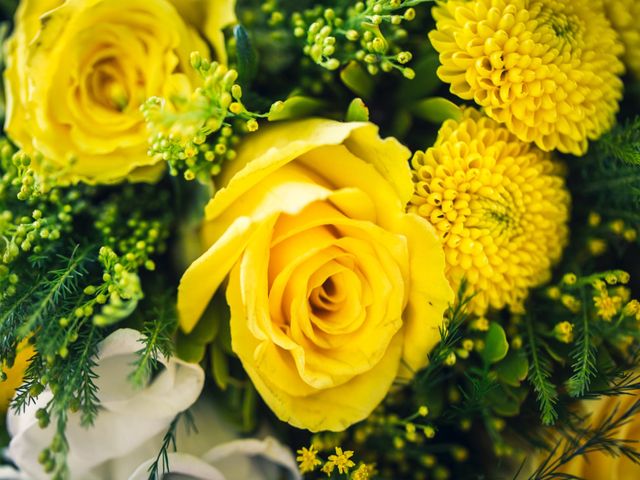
378,239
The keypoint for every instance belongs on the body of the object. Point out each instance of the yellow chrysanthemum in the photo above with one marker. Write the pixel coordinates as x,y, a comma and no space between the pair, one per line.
500,206
624,15
548,69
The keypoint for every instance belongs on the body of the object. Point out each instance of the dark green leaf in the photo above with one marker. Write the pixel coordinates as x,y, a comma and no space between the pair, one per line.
247,57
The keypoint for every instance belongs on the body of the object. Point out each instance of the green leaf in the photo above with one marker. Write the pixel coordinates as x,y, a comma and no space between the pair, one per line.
246,57
357,111
401,123
496,345
357,79
436,110
296,107
506,401
249,404
219,366
513,368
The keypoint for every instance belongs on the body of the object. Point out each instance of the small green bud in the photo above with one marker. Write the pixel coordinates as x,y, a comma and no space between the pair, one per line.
196,60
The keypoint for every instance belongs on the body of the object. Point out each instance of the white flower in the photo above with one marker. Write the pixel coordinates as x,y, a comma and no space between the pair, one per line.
127,434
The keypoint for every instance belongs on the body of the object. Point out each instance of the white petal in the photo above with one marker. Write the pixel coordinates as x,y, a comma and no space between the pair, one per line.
128,421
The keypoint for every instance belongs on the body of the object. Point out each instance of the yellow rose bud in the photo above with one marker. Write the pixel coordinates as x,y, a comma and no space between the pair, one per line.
334,290
14,375
78,72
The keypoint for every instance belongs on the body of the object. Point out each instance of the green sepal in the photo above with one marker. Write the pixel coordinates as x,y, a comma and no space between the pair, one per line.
436,110
357,111
357,79
219,366
496,345
249,404
296,107
513,369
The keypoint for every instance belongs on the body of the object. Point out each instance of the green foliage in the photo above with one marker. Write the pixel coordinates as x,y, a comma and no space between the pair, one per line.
71,263
159,324
607,180
161,466
540,376
583,354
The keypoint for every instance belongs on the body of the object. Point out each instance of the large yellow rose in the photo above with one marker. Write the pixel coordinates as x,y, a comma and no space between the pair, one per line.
78,71
332,286
14,374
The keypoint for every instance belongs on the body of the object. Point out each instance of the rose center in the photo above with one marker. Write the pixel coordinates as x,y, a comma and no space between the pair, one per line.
107,85
328,297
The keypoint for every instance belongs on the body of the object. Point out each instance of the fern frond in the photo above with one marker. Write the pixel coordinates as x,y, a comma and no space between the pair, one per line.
540,377
583,355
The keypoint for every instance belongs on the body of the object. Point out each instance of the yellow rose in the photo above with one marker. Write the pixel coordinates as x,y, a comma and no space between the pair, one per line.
78,71
14,374
598,465
331,285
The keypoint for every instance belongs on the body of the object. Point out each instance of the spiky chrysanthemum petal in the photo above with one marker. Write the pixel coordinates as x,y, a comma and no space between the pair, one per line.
500,206
548,69
625,18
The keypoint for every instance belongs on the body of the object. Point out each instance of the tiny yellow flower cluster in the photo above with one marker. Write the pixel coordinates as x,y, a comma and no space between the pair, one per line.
611,299
547,69
341,460
607,306
499,205
308,461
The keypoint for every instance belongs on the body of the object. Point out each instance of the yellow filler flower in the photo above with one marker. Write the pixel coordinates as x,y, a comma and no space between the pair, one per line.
548,69
624,15
499,205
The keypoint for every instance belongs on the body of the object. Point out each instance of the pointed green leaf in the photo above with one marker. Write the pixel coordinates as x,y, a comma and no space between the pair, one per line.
496,345
246,56
357,79
436,110
219,366
357,111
